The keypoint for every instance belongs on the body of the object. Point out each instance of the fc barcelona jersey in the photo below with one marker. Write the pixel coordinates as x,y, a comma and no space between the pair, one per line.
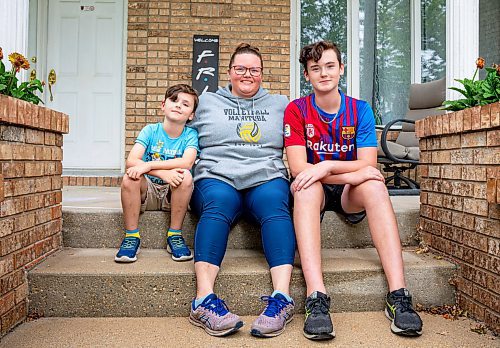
327,136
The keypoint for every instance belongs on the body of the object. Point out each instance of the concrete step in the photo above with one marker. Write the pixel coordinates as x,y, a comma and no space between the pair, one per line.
93,219
88,283
88,228
360,329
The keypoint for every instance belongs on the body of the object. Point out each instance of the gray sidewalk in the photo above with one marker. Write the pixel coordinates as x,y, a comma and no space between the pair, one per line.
368,329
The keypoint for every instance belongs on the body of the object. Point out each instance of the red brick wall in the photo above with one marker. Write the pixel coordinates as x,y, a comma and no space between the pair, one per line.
30,198
460,196
159,47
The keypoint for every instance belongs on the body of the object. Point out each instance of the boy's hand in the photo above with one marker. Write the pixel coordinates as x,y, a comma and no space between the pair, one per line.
310,175
135,172
173,177
365,174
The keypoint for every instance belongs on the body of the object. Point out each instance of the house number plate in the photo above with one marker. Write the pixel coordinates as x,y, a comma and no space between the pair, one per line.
87,8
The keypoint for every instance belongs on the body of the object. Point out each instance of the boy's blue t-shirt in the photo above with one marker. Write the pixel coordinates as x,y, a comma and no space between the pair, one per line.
160,147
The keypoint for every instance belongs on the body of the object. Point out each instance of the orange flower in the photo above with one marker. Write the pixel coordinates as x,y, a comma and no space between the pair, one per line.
1,53
480,63
19,61
497,68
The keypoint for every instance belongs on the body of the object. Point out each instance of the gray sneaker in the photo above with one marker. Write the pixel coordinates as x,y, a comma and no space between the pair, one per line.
272,321
214,317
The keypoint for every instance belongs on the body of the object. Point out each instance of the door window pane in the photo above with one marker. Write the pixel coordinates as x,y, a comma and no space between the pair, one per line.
433,39
385,58
323,20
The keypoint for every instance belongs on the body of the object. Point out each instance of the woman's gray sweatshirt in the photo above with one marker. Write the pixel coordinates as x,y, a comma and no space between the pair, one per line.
241,140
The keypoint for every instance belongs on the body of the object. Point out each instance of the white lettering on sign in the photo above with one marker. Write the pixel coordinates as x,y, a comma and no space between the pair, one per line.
206,71
206,39
205,53
87,8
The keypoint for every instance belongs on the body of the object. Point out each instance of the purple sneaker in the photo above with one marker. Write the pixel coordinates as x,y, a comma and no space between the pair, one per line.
272,321
214,317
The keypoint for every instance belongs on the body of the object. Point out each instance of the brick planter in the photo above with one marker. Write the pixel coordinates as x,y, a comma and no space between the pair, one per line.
30,198
460,196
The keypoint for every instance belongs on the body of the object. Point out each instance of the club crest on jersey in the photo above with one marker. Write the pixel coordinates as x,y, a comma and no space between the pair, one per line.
309,130
348,133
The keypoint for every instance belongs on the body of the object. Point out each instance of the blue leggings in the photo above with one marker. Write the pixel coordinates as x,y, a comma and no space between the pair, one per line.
219,205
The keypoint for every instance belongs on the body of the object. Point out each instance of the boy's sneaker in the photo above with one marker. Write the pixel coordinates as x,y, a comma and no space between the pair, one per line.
214,317
177,247
273,319
128,250
318,324
399,309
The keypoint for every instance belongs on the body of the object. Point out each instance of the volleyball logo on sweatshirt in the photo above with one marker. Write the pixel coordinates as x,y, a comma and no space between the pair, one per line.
249,132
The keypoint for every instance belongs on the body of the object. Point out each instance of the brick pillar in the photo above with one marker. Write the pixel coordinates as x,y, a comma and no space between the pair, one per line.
460,211
30,198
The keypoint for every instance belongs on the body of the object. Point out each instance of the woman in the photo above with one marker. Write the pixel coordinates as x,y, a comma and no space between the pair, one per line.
240,170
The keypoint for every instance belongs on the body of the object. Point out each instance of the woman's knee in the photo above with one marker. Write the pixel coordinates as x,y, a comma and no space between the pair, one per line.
219,201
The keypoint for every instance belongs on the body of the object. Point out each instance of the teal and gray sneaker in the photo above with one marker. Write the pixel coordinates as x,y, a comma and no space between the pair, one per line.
399,309
272,321
318,324
214,317
128,250
177,247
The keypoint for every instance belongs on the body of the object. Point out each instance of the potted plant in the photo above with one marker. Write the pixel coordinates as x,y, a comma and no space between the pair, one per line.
9,82
477,92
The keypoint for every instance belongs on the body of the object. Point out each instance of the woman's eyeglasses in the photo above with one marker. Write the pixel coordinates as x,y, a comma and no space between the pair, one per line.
242,70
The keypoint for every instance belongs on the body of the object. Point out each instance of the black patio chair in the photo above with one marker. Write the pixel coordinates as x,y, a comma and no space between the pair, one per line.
403,154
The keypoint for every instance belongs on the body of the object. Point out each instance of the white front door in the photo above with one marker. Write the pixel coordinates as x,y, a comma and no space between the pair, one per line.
85,49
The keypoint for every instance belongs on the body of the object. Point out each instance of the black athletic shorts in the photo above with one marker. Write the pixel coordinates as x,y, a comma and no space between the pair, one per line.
333,202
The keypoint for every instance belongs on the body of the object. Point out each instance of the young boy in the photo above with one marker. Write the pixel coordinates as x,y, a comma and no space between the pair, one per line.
332,152
158,176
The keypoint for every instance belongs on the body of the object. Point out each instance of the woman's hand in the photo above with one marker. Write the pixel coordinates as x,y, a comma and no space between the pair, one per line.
135,172
173,177
310,175
365,174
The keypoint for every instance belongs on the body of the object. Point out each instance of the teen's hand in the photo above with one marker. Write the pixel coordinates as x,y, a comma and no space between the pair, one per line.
310,175
365,174
135,172
173,177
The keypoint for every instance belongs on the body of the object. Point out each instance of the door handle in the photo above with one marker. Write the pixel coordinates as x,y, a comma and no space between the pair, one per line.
52,81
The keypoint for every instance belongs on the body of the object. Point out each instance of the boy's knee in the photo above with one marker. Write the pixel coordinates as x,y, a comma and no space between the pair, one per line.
188,178
187,182
128,183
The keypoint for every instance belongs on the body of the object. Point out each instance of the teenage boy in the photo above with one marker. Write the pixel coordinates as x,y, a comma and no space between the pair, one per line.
332,152
158,173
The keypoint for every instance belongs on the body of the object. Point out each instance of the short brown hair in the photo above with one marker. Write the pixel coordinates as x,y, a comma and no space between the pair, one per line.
315,51
245,48
173,91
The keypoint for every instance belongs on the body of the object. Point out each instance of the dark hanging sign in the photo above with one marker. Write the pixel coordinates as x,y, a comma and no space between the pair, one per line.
205,63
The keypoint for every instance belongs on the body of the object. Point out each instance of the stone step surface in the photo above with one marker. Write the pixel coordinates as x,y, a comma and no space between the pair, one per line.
93,219
354,329
88,283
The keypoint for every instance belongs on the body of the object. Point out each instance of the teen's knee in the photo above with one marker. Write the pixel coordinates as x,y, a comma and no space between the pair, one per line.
315,191
374,188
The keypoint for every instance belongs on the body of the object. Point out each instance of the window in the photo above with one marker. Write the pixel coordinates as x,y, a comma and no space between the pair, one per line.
433,40
323,20
386,49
